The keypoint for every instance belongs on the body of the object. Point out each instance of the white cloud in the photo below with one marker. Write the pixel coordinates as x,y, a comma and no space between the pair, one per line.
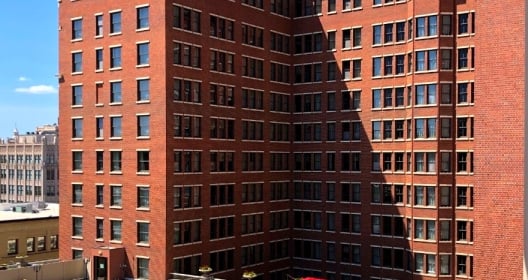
23,79
38,89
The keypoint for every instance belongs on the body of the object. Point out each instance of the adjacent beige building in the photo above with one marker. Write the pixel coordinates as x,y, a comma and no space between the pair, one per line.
28,166
28,233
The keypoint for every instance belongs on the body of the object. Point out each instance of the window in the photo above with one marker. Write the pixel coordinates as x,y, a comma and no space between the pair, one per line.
331,40
252,99
187,90
12,246
251,223
221,28
143,54
77,193
252,35
376,98
356,37
99,195
187,55
356,68
115,57
425,94
30,245
143,197
446,59
77,62
143,268
188,161
446,25
77,128
99,127
388,29
77,29
252,67
143,126
143,163
77,229
463,23
376,33
400,31
143,90
186,232
221,61
77,161
54,242
461,265
187,196
143,232
376,66
142,14
187,126
463,58
115,92
99,60
462,93
186,18
116,196
116,228
98,25
115,129
115,161
224,95
115,22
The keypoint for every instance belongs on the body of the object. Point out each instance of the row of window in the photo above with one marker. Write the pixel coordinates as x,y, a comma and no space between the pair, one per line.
424,128
387,194
189,161
24,174
115,23
115,160
116,127
33,245
21,190
224,95
25,159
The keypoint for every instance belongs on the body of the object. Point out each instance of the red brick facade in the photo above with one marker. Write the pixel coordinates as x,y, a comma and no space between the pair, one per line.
372,139
500,141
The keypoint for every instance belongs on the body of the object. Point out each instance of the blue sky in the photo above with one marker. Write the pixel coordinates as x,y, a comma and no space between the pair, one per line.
28,64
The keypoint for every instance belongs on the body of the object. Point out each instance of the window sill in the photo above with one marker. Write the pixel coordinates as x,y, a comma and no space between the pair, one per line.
116,207
143,29
143,244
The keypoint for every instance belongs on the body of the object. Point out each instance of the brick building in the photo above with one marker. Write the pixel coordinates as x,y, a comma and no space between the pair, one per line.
325,138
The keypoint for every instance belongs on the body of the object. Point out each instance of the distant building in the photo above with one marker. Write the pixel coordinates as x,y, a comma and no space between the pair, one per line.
28,166
28,233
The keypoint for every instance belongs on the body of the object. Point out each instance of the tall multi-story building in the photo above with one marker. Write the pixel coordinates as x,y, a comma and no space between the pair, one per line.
28,166
328,138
